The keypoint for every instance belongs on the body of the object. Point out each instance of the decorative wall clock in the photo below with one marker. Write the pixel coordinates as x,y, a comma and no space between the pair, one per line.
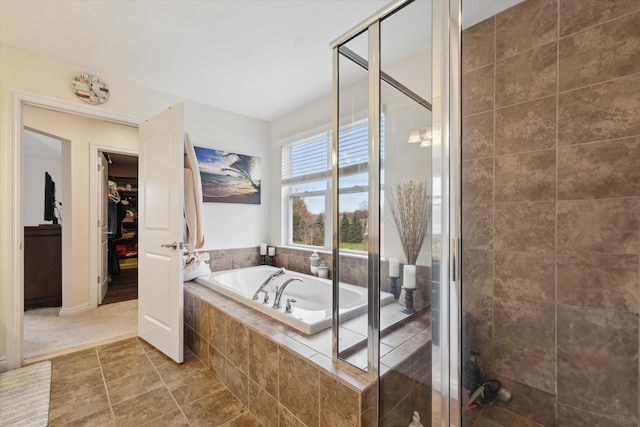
90,88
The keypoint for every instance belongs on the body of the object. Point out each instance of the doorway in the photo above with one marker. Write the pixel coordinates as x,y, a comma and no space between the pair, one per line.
121,199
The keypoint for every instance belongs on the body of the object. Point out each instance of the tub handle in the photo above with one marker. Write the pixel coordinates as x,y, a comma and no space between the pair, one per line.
288,306
266,297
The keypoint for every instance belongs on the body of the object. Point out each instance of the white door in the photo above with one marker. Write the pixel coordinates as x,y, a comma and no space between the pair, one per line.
103,250
160,230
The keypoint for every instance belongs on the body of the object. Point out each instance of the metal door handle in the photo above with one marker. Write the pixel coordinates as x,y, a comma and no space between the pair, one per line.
174,245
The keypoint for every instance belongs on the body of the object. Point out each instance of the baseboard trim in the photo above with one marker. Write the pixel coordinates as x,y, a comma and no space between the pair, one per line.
67,312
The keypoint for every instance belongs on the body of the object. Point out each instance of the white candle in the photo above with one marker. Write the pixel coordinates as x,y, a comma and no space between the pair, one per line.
263,248
272,251
394,267
409,277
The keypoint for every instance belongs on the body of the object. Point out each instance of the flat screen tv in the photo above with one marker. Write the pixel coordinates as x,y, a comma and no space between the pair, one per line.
49,199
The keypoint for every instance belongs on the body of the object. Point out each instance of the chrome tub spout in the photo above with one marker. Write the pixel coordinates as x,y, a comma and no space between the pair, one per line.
280,290
266,282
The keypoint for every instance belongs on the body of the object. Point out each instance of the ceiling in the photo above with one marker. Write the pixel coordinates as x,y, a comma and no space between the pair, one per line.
263,59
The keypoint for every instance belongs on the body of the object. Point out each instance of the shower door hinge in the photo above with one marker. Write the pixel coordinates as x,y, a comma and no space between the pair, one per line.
455,260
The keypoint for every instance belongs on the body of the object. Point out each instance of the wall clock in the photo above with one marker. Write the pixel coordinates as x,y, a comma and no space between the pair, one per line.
90,88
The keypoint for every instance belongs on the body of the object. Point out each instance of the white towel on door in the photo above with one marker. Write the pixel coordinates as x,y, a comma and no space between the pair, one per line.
192,197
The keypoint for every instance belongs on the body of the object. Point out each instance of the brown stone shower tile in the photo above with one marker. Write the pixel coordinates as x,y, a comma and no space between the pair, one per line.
337,402
568,416
598,347
600,53
505,418
299,387
525,227
526,127
478,94
477,181
214,409
477,324
201,317
477,136
478,45
526,177
531,403
602,112
525,26
477,226
263,362
477,270
527,326
218,364
530,369
578,14
188,309
525,276
600,170
599,281
526,76
605,226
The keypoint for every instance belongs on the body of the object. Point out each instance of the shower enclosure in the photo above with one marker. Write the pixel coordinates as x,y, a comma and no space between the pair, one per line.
393,83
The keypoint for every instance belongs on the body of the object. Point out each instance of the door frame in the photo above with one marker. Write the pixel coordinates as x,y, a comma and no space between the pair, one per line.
13,277
94,237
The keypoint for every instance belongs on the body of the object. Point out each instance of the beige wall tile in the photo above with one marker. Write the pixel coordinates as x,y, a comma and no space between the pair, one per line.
598,347
526,76
526,127
237,340
263,405
600,170
525,227
478,45
526,177
602,112
477,136
525,276
299,387
576,15
605,226
600,53
525,26
478,94
477,180
263,362
599,281
337,403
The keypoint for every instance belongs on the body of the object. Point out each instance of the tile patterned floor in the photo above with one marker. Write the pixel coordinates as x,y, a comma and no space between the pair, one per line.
130,383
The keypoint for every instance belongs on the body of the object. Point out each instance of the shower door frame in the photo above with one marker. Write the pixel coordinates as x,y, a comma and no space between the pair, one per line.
446,78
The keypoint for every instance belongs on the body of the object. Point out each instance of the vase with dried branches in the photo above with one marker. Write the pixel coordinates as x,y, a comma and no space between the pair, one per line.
410,207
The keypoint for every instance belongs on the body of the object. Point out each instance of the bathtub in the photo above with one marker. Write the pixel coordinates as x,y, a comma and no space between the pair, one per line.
312,310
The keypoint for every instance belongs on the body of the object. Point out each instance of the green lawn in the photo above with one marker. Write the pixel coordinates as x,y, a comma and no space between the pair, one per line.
354,246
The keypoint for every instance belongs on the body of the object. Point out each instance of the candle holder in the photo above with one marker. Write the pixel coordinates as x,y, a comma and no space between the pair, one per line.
395,289
272,260
263,259
408,301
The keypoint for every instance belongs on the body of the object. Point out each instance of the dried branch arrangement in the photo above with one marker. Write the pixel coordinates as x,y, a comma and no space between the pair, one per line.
410,205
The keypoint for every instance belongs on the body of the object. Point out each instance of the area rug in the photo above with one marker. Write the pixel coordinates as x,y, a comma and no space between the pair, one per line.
24,395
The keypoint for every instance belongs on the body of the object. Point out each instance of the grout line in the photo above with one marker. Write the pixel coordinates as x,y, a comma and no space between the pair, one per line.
599,24
557,139
104,382
598,83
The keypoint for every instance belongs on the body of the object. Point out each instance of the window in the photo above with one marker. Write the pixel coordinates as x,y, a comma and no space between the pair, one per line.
306,186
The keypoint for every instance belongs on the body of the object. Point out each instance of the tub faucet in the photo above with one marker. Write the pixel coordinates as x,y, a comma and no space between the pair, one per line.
280,291
266,282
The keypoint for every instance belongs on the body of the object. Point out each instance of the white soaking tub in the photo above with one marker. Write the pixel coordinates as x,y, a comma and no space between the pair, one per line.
312,310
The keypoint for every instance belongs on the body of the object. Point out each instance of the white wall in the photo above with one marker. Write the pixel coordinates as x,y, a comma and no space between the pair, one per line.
225,225
35,165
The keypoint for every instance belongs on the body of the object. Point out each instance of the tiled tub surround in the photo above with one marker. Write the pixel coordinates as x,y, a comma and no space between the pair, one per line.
551,210
286,378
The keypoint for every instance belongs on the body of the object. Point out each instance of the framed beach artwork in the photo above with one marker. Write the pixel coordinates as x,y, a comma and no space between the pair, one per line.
229,177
